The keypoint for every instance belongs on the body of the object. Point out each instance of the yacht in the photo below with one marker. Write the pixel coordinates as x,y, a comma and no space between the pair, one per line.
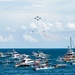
70,55
25,62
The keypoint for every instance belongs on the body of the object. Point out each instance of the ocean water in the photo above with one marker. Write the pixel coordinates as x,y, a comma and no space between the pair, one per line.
10,69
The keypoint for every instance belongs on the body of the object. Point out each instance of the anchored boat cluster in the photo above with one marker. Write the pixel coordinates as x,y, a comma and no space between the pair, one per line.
38,60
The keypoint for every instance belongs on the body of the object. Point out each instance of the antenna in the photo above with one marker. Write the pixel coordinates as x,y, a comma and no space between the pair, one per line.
70,42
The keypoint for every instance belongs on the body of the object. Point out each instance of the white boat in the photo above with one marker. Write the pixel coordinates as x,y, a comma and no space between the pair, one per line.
60,65
70,55
15,55
40,54
35,54
9,54
59,59
22,56
1,54
72,63
25,62
43,67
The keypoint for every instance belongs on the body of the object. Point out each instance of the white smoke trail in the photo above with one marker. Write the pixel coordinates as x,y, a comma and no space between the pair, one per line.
44,32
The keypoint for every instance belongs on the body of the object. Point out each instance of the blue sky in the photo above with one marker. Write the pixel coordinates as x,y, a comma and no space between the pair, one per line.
19,29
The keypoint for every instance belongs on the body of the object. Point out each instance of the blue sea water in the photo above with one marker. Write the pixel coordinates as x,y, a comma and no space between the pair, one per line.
10,69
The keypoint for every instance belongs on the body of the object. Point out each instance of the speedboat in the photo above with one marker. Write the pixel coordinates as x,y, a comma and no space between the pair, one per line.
39,64
43,67
60,65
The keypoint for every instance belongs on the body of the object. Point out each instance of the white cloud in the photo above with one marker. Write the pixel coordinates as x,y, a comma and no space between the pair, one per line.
38,5
71,26
10,29
23,27
7,38
30,38
44,29
33,25
50,25
58,26
45,26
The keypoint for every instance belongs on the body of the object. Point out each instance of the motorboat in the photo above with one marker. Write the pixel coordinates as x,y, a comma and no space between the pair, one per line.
25,62
1,54
15,55
42,67
59,59
60,65
35,54
72,63
40,54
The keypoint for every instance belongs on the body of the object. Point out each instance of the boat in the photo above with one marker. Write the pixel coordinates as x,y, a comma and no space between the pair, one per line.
72,63
59,59
43,68
70,55
40,64
8,54
15,55
40,54
25,62
35,54
60,65
1,54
